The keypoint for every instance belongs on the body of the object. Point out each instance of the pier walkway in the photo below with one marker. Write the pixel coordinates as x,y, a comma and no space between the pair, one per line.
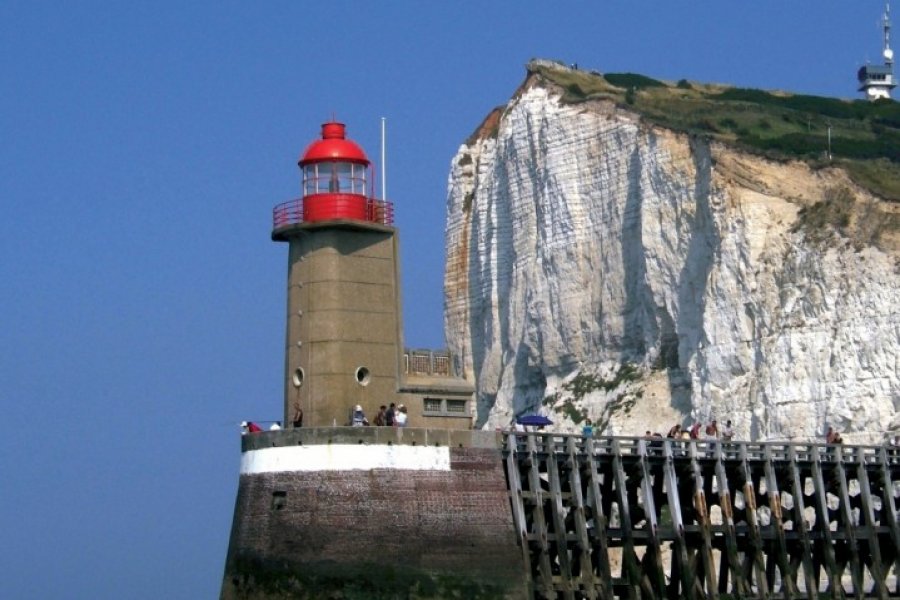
659,518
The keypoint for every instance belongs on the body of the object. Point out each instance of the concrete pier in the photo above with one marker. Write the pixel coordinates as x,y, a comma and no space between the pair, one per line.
372,512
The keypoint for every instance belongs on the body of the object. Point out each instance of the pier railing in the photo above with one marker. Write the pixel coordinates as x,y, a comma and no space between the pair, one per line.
662,518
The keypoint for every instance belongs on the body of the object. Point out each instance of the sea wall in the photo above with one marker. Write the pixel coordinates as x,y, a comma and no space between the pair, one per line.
372,513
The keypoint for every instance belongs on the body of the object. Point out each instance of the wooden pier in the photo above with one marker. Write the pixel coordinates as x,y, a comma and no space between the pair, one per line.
660,518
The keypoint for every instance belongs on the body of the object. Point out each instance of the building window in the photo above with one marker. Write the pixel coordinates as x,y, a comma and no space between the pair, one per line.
456,406
444,407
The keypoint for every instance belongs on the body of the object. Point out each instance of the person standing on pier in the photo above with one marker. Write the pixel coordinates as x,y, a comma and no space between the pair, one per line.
832,437
727,431
894,447
401,417
380,418
358,417
695,431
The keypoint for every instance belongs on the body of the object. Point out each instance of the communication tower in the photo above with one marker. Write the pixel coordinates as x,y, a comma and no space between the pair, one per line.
877,81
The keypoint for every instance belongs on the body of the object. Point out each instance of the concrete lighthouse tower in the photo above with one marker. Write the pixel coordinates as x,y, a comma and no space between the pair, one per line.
343,337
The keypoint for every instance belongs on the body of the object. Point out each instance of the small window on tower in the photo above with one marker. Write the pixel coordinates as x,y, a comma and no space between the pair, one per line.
432,405
279,499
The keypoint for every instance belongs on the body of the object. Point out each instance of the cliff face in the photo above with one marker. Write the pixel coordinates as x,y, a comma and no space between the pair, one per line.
602,267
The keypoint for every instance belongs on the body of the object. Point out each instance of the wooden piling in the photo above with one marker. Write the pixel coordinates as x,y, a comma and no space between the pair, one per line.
561,488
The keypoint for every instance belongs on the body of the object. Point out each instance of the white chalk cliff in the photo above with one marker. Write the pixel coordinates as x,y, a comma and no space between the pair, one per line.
600,266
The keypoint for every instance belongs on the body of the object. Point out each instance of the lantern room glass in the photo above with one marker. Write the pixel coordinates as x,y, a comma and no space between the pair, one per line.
334,177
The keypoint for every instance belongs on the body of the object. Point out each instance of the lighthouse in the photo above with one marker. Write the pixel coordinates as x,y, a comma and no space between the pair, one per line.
877,81
342,337
343,333
325,508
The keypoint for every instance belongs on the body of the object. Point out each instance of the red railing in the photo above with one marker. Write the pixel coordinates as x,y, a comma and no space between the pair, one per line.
288,213
291,212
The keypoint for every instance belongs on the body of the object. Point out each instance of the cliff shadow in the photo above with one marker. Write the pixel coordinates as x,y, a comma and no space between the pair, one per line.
640,329
692,280
647,325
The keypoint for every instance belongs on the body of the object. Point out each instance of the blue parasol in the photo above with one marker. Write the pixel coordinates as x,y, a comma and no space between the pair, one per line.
534,420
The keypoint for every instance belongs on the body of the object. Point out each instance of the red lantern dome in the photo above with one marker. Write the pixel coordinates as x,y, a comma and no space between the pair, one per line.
333,146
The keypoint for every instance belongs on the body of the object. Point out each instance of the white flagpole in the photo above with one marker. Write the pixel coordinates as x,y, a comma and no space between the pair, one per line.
383,167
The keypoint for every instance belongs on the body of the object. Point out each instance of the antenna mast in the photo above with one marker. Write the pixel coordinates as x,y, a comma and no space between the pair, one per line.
888,53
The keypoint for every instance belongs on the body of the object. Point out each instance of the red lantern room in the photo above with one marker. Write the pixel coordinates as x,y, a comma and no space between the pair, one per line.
335,178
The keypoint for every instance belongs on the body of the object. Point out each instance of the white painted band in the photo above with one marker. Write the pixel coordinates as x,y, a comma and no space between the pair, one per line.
345,457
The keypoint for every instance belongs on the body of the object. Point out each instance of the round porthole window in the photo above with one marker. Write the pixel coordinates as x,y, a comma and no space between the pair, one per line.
363,376
297,377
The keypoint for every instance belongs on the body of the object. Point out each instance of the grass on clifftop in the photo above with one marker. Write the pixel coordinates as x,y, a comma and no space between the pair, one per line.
865,136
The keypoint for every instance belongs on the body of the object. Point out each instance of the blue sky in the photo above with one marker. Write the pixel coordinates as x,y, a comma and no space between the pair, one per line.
143,148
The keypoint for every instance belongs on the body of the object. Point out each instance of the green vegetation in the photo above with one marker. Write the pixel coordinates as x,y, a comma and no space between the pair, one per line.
832,213
632,80
840,211
623,402
585,383
575,414
865,136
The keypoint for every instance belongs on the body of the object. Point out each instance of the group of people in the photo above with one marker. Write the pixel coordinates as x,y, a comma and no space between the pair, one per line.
710,432
388,416
726,433
392,416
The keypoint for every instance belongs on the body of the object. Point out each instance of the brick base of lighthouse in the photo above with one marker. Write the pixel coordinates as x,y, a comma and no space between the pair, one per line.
372,513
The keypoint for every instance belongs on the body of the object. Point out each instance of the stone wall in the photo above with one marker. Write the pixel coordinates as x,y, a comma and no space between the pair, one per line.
375,533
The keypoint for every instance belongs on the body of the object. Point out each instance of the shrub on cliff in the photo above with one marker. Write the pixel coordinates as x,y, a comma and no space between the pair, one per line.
632,81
